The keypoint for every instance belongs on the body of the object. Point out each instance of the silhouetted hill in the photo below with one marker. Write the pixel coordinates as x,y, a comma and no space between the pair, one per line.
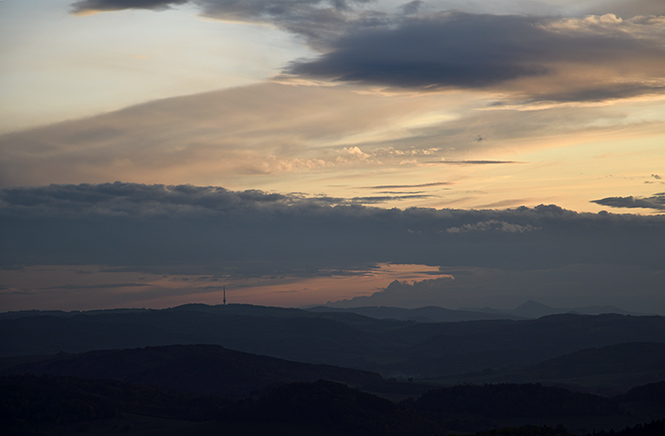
535,309
56,405
650,392
515,401
639,363
400,349
47,399
460,408
199,369
422,314
458,348
606,370
330,406
646,400
38,335
527,430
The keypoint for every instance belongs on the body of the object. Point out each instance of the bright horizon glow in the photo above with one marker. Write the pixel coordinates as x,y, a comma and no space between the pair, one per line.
50,283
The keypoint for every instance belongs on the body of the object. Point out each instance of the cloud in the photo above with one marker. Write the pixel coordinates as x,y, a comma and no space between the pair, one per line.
99,286
386,198
260,129
537,58
412,7
419,48
572,285
656,202
627,9
144,236
494,225
5,291
124,224
89,6
473,162
420,185
461,50
316,20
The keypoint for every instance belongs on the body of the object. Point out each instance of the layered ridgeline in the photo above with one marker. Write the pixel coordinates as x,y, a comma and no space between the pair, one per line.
483,351
207,389
242,369
49,404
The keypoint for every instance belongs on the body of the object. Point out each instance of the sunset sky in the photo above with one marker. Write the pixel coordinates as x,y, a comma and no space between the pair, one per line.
305,151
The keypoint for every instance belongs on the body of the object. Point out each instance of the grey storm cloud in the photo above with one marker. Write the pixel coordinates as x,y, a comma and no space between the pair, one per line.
123,224
460,50
656,202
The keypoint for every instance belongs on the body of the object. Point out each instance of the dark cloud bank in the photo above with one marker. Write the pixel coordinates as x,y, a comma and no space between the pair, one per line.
135,224
474,51
546,253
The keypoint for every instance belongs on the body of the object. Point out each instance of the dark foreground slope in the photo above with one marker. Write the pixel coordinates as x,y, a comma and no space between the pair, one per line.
194,369
51,405
207,389
605,370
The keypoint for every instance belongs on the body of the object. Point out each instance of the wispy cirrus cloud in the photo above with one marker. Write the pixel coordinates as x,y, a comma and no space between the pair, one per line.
420,185
98,286
136,224
473,162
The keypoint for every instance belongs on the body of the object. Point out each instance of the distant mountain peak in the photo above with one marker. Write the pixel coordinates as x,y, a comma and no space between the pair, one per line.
529,304
534,309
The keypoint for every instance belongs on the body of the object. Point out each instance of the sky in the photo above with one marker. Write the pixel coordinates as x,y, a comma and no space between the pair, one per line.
357,152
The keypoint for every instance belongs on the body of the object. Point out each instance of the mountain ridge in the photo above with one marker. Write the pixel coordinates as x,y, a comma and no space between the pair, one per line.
399,349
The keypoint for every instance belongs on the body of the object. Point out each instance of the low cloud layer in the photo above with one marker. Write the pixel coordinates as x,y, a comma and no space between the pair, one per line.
142,225
490,225
119,232
572,285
